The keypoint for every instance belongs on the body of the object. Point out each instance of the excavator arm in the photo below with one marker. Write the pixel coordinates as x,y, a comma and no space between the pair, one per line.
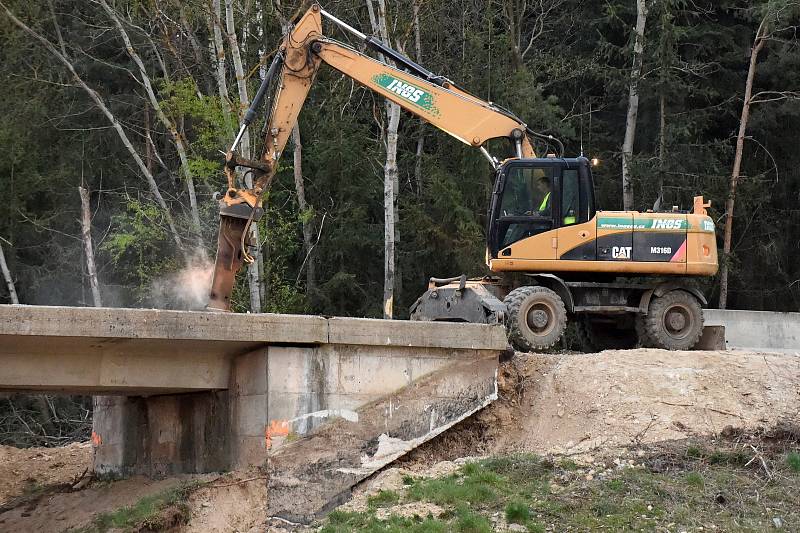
432,98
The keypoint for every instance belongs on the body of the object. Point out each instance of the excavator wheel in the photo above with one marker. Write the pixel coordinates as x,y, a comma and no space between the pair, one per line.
536,318
596,336
673,322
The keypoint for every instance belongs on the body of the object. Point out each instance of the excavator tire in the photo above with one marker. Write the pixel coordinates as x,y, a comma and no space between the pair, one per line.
596,336
673,322
536,318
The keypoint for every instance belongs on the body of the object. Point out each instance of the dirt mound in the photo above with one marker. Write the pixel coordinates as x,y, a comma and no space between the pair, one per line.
574,404
233,502
31,470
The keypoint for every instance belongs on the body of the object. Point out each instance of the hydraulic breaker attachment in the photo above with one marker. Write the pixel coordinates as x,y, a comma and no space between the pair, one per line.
461,300
232,244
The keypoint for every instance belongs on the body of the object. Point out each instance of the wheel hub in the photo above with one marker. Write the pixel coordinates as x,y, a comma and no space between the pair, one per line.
538,319
677,321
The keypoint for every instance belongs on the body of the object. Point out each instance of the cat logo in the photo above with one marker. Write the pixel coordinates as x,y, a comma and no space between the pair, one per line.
667,223
621,252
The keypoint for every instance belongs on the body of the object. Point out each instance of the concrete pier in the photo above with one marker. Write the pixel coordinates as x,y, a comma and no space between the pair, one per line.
322,402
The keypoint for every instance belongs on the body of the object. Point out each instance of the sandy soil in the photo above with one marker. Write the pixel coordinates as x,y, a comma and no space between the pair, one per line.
234,502
576,404
24,470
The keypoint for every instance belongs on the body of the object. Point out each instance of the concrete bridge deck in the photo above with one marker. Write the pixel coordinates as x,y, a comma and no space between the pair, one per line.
87,350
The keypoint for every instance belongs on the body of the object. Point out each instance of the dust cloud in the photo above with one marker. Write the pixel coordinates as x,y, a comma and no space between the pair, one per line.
188,288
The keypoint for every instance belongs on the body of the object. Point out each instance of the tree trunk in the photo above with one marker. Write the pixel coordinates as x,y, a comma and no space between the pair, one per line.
305,214
215,25
88,250
421,138
389,209
180,143
758,44
111,118
12,290
390,173
633,106
253,269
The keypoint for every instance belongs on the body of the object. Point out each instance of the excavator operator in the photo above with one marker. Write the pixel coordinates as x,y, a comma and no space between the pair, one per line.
546,189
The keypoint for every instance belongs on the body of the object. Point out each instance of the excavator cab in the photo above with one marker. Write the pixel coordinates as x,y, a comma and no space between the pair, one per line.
534,198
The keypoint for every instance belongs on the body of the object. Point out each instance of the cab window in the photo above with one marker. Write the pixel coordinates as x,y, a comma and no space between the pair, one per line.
570,195
525,208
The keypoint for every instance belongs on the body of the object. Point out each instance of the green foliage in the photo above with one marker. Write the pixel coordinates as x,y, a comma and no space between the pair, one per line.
139,246
517,512
572,82
793,461
384,498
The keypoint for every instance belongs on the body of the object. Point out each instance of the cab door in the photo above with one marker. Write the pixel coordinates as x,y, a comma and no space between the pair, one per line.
577,234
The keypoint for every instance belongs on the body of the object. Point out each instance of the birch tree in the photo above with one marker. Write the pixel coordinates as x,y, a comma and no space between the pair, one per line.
12,290
218,60
633,105
390,173
306,212
421,138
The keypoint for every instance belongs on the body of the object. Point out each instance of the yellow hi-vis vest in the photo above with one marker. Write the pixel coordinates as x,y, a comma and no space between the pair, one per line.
543,206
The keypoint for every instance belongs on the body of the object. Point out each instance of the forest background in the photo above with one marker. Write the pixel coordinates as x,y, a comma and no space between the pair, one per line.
113,116
133,101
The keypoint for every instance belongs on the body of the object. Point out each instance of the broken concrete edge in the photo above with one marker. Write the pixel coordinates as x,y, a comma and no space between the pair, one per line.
384,439
311,476
267,328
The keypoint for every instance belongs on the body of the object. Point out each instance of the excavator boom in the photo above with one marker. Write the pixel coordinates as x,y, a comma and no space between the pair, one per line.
430,97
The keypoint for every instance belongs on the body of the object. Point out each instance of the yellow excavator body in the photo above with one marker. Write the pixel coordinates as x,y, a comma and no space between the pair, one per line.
624,242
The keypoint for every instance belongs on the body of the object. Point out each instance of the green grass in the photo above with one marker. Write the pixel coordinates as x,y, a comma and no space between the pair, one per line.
694,479
517,512
384,498
683,488
156,512
793,462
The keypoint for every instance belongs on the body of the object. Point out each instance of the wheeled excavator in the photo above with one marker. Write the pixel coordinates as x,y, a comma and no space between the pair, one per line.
624,277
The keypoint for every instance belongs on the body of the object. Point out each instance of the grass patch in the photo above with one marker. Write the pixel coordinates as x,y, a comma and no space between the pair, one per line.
517,512
384,498
693,479
677,488
793,462
468,521
344,522
155,512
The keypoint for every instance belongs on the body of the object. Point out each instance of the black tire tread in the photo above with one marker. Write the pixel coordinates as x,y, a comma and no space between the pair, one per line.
514,301
652,322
